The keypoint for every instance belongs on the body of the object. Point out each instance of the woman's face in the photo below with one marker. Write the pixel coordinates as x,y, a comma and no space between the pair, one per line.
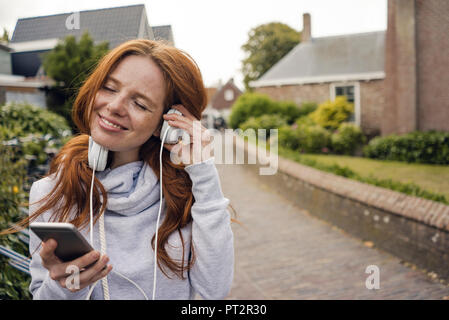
132,100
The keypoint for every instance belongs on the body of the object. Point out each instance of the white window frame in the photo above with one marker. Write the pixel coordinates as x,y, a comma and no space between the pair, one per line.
229,95
357,106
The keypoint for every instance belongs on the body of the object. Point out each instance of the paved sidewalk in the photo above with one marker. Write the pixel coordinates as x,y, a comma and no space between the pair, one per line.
283,252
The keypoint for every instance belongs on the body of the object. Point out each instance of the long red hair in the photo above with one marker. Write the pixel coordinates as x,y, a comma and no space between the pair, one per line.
184,85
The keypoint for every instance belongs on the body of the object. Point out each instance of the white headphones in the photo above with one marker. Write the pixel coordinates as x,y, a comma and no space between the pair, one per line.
98,157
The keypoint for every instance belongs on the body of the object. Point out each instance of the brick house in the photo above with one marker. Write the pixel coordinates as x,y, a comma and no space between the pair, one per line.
397,79
319,69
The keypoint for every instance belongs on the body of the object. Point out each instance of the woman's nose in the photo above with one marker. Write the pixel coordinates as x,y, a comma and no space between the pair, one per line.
117,104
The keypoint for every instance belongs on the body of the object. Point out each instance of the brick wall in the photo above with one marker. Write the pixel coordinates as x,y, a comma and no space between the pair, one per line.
372,99
433,63
298,93
417,66
413,229
400,68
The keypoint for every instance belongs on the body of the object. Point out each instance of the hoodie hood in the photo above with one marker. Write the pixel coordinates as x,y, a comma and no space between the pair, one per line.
131,188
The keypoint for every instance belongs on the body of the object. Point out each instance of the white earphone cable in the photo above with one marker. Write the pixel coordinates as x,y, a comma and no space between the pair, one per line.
103,249
103,239
158,215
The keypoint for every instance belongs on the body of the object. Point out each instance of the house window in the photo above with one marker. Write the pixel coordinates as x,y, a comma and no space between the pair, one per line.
349,92
229,95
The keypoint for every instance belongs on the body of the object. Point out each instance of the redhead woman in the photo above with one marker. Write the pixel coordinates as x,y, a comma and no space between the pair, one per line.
122,106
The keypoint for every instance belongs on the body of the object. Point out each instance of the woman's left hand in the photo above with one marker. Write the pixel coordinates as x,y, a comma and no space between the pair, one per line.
199,149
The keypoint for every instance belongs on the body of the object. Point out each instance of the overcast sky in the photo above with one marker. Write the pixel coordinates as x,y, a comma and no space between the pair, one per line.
213,31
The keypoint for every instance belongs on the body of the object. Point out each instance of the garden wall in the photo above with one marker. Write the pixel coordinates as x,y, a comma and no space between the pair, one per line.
414,229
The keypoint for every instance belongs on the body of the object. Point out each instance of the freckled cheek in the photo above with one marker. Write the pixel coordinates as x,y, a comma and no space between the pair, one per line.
100,101
147,128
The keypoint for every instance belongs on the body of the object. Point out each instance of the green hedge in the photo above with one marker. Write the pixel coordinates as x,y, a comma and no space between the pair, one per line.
416,147
406,188
267,122
307,137
29,135
13,283
347,138
251,104
20,119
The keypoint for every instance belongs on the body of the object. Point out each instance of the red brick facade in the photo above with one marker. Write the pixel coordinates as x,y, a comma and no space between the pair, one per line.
416,66
372,99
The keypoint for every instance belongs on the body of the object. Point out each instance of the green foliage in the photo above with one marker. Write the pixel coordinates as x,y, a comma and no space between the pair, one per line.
5,37
252,104
20,119
28,135
406,188
306,108
331,114
69,64
13,283
289,110
267,44
288,138
267,122
313,139
249,105
304,121
347,138
419,147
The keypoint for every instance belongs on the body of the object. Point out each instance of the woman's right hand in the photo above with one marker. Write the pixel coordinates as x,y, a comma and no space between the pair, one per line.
60,271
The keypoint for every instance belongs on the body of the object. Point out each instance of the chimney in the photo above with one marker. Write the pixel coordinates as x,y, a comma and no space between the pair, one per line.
306,34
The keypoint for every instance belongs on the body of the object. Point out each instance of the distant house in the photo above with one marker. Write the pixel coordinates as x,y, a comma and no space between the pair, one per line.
5,58
36,35
398,79
220,102
18,88
319,69
22,78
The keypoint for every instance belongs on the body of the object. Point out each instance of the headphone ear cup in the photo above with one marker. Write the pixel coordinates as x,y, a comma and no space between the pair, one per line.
99,153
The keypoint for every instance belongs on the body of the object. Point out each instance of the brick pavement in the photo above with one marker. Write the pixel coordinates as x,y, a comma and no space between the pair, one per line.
283,252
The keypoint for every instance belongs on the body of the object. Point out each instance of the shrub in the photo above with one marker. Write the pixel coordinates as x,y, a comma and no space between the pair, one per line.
289,110
313,139
20,119
267,122
331,114
249,105
13,283
347,138
288,138
416,147
304,121
252,104
306,108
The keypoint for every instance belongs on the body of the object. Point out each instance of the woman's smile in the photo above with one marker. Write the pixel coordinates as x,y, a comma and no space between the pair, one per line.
109,126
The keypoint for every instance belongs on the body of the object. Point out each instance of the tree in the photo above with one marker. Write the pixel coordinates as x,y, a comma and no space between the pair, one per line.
5,36
69,64
266,45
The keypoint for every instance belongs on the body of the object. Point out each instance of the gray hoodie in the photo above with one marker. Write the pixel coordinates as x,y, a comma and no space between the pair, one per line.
130,221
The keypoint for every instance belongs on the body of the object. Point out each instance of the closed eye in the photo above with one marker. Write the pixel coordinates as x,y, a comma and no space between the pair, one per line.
141,106
108,89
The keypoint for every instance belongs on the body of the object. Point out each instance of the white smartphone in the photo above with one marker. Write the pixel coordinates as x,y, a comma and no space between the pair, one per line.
71,243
